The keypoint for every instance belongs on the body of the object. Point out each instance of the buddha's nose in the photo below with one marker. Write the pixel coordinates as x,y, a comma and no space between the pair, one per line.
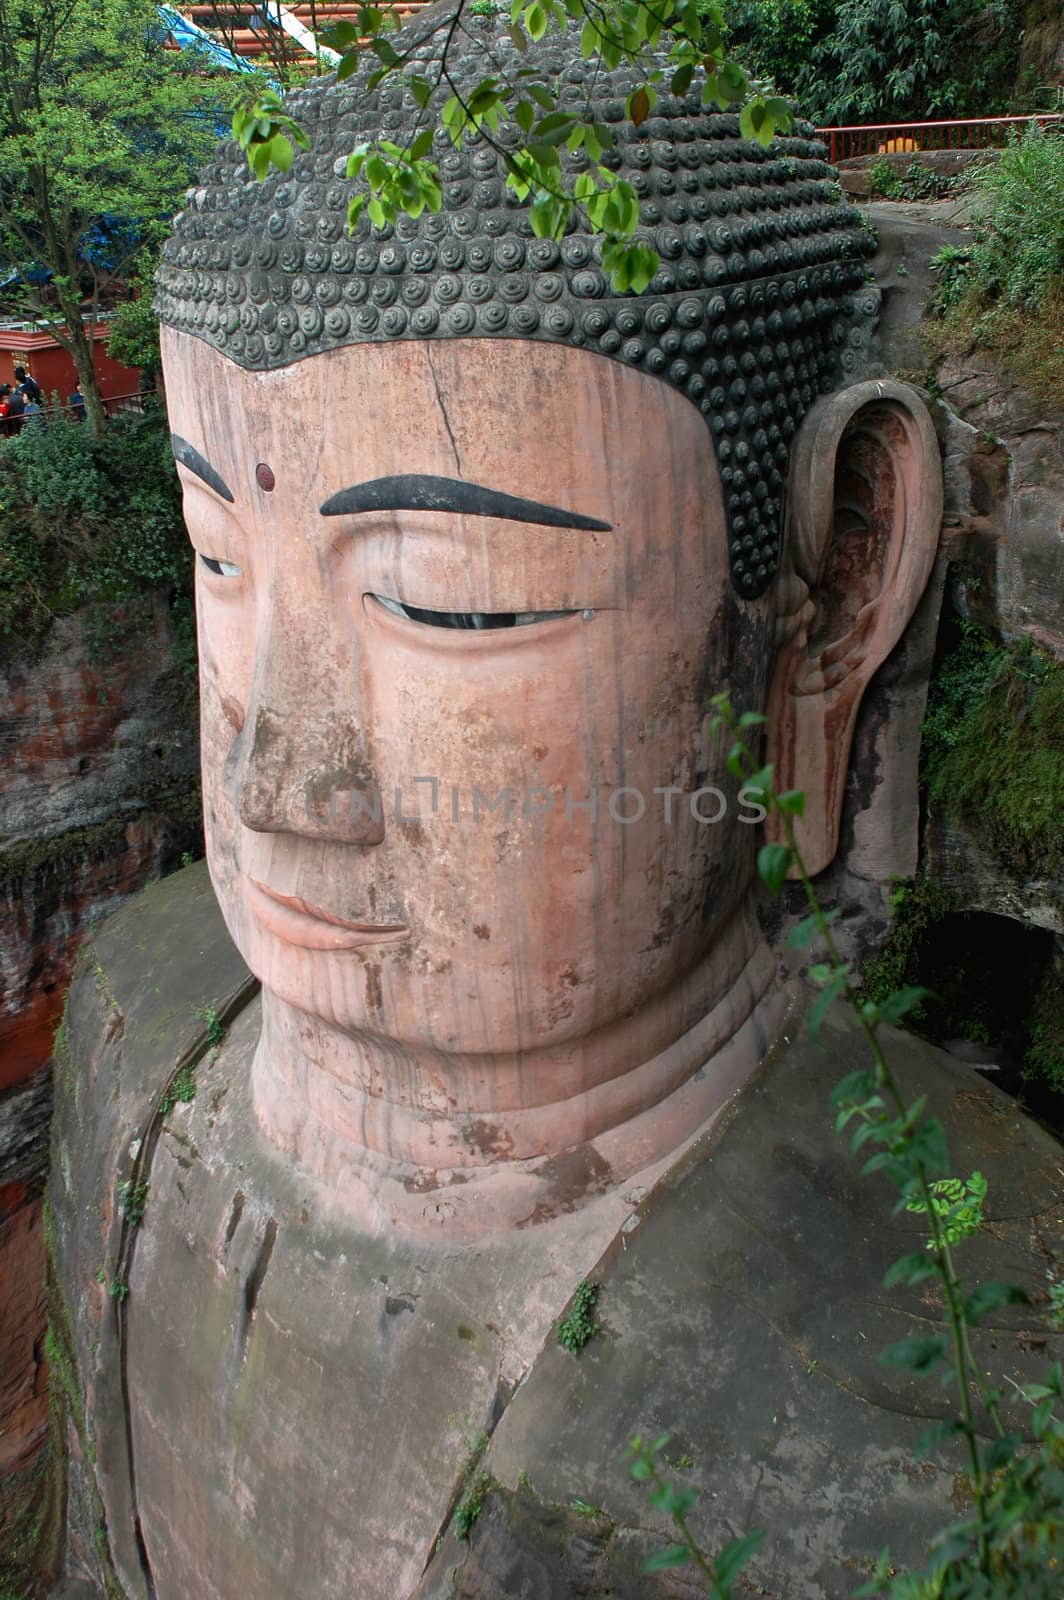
304,772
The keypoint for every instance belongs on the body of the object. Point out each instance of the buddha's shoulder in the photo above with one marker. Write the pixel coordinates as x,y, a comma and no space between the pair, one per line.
153,991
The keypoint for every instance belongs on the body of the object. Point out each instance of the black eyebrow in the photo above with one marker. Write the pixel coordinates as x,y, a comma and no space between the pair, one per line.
408,492
190,457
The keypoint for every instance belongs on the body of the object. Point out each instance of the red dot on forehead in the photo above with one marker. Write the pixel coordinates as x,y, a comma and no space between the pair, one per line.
264,476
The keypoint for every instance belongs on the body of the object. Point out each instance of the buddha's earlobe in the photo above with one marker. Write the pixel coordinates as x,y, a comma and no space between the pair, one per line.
864,517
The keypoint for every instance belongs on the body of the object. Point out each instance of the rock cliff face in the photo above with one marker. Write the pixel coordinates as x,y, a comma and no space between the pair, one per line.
99,794
1002,548
1006,578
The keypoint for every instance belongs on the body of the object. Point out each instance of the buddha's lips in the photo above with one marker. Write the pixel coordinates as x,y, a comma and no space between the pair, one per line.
296,922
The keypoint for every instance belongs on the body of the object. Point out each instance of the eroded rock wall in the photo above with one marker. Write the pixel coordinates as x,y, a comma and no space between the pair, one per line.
99,794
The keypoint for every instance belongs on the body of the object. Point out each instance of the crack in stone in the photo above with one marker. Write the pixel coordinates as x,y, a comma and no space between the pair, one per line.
443,410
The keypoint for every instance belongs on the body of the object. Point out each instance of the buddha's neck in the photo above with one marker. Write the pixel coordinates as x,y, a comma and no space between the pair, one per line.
325,1096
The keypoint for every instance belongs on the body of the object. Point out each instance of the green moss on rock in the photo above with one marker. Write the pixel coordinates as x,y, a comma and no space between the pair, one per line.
993,750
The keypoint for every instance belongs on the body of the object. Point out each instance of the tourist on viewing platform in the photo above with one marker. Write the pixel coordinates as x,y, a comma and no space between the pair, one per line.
77,404
16,405
28,386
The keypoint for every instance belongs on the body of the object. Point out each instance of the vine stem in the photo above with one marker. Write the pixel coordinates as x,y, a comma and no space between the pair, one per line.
964,1363
963,1360
688,1538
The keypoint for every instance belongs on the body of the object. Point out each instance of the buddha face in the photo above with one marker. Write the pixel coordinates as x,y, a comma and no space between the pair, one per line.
461,606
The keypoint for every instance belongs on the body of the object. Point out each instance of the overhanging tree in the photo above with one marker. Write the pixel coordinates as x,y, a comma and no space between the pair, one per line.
680,44
101,131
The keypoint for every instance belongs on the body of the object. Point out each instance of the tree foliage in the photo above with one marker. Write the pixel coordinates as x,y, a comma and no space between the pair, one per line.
101,131
874,61
85,520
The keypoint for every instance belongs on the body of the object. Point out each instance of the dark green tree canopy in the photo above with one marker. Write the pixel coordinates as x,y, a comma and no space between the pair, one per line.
101,131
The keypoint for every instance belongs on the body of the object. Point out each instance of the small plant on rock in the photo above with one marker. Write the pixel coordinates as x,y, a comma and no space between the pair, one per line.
214,1025
182,1087
579,1325
132,1199
468,1509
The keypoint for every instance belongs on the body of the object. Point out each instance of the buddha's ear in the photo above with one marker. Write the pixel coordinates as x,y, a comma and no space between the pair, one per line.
863,523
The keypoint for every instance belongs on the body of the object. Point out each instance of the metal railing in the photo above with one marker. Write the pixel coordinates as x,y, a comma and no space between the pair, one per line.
115,405
974,133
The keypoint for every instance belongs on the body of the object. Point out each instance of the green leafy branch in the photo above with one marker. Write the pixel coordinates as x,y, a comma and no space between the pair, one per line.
1019,1501
263,128
720,1571
405,179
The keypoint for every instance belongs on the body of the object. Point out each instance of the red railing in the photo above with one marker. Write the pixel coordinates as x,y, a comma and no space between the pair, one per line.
976,133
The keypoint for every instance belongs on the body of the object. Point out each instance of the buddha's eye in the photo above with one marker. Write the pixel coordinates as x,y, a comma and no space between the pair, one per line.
223,569
469,619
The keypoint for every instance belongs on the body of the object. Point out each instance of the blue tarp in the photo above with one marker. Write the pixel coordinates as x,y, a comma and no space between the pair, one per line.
190,37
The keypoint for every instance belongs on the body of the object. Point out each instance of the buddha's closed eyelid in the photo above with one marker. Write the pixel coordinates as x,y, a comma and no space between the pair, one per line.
221,569
476,621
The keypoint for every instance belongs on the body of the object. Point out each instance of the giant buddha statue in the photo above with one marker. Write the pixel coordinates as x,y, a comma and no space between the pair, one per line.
476,540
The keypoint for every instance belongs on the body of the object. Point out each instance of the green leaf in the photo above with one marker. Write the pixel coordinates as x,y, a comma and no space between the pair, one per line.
385,52
898,1005
338,35
855,1086
912,1268
519,37
780,112
803,933
751,119
937,1434
535,21
1043,1416
348,66
990,1297
792,802
821,972
281,152
681,79
824,1003
524,116
916,1355
737,1554
755,122
773,861
646,262
421,145
676,1555
762,779
421,89
558,122
928,1144
999,1452
673,1500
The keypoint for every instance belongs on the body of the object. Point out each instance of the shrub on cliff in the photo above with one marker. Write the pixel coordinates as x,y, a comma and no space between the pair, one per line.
1006,291
84,520
993,749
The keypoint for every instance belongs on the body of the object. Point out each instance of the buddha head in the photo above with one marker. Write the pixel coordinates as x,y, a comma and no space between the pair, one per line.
477,539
